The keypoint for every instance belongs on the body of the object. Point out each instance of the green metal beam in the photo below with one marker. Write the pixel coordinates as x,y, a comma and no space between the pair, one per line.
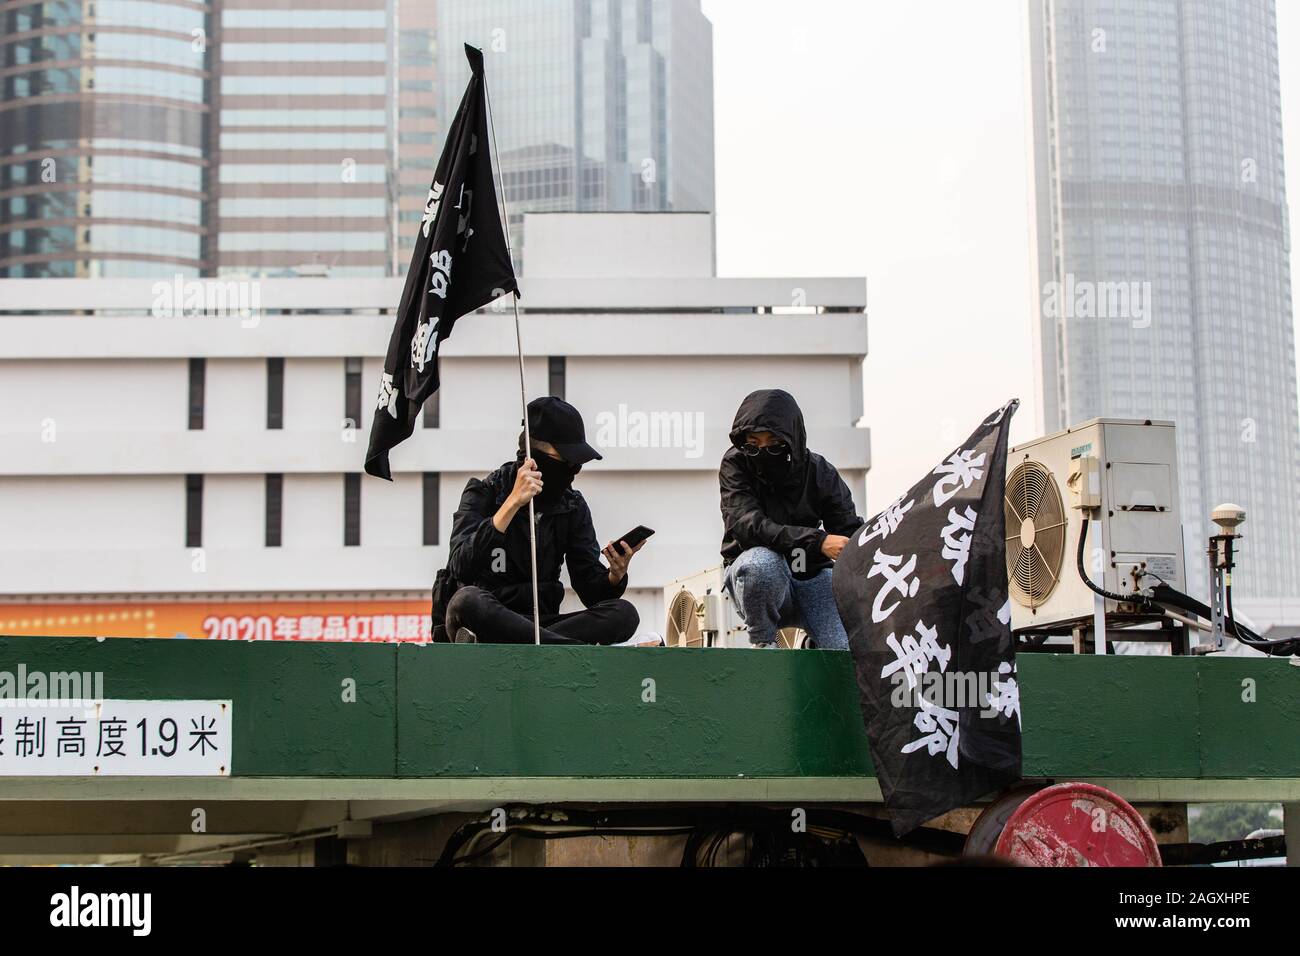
496,710
290,717
488,715
386,796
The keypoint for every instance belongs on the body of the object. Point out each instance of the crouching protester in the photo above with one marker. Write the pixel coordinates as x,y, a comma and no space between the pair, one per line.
485,592
786,515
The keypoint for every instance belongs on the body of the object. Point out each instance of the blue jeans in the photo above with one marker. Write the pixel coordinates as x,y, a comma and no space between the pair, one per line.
769,597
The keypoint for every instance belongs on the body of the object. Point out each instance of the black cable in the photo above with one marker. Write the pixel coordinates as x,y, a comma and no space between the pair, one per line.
690,850
1249,637
718,841
1141,599
574,822
704,844
1280,646
487,850
1164,594
701,824
532,833
1152,574
1203,854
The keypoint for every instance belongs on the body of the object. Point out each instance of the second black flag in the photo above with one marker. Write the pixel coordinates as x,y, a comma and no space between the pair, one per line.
461,262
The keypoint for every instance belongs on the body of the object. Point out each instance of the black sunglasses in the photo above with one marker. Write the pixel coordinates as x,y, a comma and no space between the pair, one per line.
775,451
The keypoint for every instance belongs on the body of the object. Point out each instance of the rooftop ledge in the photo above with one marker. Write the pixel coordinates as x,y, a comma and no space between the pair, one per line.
460,725
541,293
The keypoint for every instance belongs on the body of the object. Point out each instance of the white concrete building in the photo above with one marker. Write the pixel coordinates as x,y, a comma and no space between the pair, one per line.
138,436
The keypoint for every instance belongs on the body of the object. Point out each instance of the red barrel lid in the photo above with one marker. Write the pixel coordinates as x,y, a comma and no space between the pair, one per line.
1078,824
984,832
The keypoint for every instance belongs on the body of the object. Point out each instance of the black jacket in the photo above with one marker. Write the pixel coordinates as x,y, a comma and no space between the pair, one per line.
564,535
810,503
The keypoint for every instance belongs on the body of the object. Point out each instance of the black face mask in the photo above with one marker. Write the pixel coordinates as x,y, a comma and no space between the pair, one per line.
773,469
557,477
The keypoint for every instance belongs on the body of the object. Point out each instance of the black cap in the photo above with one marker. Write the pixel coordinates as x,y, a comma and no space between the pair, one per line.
555,421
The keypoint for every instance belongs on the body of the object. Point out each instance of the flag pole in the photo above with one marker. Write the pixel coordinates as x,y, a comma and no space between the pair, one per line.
519,349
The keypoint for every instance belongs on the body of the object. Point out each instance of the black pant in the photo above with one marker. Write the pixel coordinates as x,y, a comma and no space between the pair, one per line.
609,622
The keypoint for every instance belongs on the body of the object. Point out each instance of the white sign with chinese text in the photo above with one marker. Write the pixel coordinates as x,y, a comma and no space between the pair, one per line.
133,738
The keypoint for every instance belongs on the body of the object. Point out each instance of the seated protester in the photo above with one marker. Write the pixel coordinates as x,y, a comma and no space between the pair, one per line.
786,514
489,564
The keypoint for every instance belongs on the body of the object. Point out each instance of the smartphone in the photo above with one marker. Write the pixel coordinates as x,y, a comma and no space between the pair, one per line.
636,535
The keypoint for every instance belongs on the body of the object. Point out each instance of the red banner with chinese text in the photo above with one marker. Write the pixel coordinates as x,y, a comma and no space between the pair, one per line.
325,620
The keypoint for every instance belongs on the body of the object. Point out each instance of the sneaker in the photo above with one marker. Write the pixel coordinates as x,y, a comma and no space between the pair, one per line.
649,639
465,636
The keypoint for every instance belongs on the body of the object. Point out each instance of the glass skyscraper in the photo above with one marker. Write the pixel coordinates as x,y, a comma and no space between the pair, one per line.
105,168
600,105
305,138
263,137
417,130
1161,245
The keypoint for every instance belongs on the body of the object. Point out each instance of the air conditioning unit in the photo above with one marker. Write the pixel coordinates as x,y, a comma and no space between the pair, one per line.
702,614
1123,476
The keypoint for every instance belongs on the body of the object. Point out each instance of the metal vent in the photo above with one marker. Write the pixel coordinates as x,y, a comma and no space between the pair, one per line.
1035,533
684,621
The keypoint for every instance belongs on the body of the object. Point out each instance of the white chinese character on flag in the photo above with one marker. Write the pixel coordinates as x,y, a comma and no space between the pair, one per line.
961,470
1006,697
887,523
896,579
913,656
956,545
939,724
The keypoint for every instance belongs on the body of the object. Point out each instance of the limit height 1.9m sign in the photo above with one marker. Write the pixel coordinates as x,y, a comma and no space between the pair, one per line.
115,738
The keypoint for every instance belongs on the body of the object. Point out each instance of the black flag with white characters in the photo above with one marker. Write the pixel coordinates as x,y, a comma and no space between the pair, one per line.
922,589
460,263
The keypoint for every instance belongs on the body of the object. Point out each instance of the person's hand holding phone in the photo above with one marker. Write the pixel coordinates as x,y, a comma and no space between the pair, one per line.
619,555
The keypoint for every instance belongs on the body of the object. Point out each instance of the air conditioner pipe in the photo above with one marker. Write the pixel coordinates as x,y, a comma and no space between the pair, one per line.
1185,619
1163,594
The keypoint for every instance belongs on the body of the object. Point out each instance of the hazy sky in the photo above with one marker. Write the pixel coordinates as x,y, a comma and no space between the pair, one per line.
887,139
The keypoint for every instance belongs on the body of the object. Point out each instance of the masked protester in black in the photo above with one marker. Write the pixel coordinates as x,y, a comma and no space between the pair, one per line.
487,585
786,515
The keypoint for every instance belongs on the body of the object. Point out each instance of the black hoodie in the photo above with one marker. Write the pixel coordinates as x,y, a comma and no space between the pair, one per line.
564,536
792,517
